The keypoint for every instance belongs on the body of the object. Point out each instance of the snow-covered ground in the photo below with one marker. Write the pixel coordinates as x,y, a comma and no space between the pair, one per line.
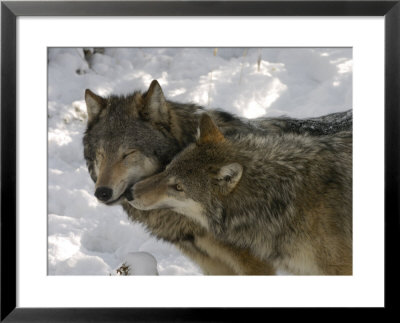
88,238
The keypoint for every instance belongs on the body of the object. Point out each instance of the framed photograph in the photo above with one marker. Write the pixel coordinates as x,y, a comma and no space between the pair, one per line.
310,67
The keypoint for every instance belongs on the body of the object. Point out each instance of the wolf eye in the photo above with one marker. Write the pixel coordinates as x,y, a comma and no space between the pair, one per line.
179,187
127,154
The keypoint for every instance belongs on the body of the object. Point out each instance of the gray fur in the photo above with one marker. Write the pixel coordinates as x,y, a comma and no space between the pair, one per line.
293,198
159,129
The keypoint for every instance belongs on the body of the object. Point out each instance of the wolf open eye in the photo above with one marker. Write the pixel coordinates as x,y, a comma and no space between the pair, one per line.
179,187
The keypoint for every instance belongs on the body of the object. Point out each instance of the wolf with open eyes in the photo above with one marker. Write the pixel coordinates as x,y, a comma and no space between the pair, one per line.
129,138
286,198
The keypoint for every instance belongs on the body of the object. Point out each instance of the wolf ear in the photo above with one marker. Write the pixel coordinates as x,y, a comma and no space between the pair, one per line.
209,132
229,176
94,104
155,106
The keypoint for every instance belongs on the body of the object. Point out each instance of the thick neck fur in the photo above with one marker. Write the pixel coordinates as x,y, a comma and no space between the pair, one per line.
185,120
165,224
284,178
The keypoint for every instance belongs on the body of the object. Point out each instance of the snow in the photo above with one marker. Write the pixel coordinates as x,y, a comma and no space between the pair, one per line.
88,238
138,263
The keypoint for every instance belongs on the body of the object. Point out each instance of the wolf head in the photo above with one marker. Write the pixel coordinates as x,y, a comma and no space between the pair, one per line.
125,140
196,181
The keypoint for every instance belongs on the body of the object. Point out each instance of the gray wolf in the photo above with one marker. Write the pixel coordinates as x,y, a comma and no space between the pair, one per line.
286,198
129,138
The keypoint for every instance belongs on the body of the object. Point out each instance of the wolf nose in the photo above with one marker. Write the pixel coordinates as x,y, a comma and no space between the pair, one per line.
103,193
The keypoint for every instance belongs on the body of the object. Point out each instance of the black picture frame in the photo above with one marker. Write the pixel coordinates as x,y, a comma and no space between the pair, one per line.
11,10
